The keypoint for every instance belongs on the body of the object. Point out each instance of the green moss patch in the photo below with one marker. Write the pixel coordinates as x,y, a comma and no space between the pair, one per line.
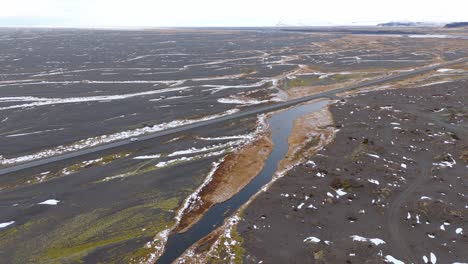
232,252
81,235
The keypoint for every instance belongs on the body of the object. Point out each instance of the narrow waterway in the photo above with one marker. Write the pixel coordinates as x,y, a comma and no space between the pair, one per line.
281,125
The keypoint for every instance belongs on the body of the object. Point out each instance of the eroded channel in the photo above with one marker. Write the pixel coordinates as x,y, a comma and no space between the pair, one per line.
281,125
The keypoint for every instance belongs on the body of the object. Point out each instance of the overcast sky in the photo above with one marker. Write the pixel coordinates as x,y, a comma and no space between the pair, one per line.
158,13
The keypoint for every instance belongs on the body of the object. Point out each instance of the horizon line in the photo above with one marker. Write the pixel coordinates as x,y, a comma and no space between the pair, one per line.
435,24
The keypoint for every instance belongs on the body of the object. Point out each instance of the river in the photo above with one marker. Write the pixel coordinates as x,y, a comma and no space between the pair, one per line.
281,124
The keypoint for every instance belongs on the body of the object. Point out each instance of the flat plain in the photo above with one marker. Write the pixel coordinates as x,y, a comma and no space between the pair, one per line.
378,176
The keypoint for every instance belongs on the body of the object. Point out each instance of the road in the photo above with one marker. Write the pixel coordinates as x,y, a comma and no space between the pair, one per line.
259,110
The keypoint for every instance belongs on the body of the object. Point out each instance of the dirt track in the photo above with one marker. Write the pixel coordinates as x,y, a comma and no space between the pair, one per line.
391,186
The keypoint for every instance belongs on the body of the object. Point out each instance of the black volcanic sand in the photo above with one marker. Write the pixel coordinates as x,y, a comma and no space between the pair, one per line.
36,65
106,221
387,157
182,75
87,63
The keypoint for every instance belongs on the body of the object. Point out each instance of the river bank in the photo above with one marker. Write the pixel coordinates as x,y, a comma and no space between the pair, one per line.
309,132
281,124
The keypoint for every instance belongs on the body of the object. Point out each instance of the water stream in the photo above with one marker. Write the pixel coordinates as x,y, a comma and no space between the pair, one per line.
281,125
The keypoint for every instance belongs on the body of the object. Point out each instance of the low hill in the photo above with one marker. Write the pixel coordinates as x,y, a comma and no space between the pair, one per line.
457,25
408,24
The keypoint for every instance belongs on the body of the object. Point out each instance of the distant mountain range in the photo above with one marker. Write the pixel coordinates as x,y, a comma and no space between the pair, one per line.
423,24
457,25
408,24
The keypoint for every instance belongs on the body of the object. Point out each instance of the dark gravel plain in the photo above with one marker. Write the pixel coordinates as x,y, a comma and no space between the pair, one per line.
393,184
62,86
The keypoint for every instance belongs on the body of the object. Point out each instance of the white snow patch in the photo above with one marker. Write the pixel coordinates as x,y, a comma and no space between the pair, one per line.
450,163
194,196
34,133
157,244
391,259
376,182
312,239
311,162
163,164
205,149
320,174
3,225
156,156
386,107
373,155
41,101
50,202
444,70
375,241
248,136
340,192
240,101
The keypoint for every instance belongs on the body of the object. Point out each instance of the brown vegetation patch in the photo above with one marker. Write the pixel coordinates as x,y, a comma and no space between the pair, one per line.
411,82
233,174
310,132
464,155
